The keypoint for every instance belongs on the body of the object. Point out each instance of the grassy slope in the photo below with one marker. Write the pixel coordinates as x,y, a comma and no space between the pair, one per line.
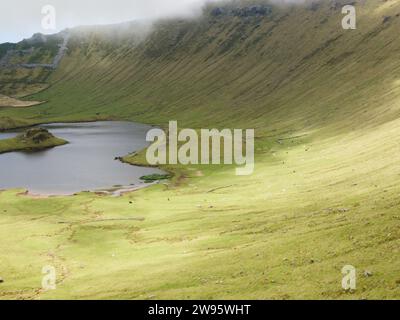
326,197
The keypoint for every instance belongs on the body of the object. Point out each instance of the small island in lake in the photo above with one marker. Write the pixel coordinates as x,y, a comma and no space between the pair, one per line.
33,139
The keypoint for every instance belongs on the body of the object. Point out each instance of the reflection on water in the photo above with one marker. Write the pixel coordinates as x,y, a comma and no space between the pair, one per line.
86,163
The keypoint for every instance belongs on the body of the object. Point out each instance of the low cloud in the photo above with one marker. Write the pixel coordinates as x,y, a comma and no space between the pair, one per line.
21,18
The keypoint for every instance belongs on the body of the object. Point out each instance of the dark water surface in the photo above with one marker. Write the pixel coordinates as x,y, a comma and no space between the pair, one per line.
86,163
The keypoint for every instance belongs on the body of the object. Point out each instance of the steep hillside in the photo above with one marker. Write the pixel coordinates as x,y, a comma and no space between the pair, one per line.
270,65
26,66
325,103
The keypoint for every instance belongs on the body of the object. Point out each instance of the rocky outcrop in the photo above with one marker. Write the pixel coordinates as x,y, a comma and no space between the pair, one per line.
36,135
338,4
252,11
37,38
5,61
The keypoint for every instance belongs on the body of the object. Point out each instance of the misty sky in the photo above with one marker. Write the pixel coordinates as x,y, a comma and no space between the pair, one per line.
21,18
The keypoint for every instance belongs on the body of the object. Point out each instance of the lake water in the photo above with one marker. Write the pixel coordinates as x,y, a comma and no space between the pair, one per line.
87,163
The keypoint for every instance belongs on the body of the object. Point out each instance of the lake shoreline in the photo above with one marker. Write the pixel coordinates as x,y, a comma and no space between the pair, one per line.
102,144
55,121
108,192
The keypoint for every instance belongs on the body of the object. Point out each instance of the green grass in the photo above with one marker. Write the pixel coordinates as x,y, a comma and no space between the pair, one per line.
325,105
